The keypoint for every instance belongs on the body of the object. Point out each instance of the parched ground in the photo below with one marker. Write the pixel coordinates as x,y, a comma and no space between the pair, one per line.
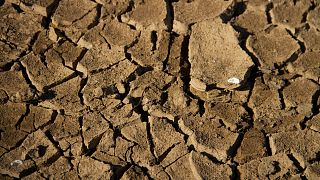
159,89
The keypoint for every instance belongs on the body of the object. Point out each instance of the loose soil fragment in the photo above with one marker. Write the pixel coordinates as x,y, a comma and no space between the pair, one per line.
103,84
58,169
114,7
154,9
168,144
273,167
74,17
121,115
299,94
35,152
233,116
137,132
314,123
64,96
252,20
66,131
100,58
177,103
69,53
310,36
43,42
203,168
181,169
113,150
149,86
9,53
64,126
272,48
94,125
89,168
253,146
18,28
282,13
117,33
36,118
134,172
313,171
92,38
41,7
307,65
211,64
14,87
45,73
314,17
264,101
151,50
173,64
189,12
303,144
10,116
209,135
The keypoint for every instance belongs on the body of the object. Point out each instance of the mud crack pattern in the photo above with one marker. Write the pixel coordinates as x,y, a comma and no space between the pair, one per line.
159,89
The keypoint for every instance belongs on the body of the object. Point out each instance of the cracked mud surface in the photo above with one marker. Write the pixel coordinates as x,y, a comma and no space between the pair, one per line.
159,89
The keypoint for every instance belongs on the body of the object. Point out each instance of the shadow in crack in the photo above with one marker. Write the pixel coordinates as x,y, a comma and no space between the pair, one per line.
47,95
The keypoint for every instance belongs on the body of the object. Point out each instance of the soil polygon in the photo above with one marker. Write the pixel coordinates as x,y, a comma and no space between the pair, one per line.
159,89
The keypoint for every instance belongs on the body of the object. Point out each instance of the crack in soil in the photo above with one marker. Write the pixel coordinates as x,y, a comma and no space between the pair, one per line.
228,16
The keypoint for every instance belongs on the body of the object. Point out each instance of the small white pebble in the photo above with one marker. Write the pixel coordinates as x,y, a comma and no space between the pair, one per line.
16,163
234,80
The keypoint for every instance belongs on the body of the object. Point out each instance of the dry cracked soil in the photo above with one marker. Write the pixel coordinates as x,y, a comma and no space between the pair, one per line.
160,89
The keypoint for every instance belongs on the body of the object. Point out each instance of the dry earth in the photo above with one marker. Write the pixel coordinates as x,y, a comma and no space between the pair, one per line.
159,89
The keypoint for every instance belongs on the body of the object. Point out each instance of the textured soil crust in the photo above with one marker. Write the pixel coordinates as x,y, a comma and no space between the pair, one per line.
159,89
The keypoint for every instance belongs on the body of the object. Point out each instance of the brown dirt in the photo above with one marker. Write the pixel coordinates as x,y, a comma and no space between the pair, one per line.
159,89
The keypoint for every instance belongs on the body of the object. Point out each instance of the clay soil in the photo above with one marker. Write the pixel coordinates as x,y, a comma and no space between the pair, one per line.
159,89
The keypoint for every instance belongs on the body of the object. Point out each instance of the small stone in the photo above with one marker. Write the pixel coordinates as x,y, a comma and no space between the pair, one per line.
234,80
16,163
